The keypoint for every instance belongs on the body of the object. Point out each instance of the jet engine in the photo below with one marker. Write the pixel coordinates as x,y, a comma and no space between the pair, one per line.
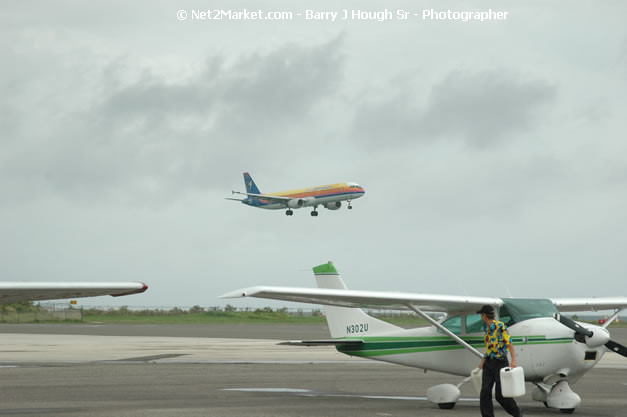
333,205
300,202
296,203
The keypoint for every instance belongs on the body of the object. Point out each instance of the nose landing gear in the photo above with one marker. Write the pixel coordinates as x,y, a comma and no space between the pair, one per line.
349,205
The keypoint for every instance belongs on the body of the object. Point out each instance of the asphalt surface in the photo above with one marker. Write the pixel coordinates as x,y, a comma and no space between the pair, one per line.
237,331
150,374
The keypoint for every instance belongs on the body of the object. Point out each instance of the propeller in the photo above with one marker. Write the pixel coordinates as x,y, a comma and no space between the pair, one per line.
616,347
592,339
571,324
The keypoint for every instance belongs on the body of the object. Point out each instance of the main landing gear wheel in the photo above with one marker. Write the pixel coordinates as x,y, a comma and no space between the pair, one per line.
289,213
446,406
314,213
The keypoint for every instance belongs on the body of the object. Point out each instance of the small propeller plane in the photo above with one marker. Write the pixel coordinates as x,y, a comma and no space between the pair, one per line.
329,196
554,351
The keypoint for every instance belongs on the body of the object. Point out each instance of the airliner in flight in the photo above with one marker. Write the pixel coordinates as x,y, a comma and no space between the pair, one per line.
329,196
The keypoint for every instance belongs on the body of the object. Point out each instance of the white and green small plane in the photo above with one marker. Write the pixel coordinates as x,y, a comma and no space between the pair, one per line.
554,351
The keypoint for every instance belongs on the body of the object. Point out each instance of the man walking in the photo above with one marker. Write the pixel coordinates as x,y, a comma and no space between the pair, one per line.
497,340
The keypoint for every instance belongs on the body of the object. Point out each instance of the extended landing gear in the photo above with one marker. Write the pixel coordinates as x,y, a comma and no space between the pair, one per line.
314,213
289,212
558,396
349,205
444,395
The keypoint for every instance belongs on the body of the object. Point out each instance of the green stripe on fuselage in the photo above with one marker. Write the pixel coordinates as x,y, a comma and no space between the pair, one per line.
379,346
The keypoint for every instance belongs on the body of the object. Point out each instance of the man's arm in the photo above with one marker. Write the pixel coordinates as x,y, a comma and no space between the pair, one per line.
512,352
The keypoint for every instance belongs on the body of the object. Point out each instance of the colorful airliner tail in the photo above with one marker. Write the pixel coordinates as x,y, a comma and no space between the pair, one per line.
344,321
251,187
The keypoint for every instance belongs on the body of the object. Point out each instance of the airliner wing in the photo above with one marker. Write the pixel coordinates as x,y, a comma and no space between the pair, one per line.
590,304
264,196
369,299
13,292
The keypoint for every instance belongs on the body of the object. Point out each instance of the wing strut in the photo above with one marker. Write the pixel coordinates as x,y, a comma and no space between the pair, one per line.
611,319
445,330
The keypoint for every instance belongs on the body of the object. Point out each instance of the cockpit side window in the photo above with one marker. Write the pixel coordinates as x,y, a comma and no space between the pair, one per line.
474,324
454,324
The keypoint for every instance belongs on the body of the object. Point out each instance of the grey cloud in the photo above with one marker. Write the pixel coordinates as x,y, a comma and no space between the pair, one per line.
479,108
154,138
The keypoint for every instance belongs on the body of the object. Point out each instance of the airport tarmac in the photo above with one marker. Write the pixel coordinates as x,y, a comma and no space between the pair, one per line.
117,374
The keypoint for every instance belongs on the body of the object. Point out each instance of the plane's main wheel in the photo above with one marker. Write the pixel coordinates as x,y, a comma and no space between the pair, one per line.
446,406
567,410
289,213
314,213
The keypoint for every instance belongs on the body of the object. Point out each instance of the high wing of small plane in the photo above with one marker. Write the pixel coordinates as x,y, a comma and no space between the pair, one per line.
329,196
553,350
13,292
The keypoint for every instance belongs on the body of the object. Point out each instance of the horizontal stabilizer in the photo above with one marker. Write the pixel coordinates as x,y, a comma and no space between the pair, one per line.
328,342
234,199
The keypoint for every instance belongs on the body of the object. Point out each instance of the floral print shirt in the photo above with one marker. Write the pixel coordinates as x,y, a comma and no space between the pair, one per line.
496,340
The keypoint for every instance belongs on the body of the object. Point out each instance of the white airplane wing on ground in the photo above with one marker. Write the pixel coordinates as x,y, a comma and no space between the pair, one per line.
13,292
369,299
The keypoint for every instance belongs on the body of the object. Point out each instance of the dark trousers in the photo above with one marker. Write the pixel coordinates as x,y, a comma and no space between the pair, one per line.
491,374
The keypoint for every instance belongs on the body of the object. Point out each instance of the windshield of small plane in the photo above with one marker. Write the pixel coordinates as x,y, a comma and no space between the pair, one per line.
515,310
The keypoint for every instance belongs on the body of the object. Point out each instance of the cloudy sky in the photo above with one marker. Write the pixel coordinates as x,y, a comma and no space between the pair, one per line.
493,154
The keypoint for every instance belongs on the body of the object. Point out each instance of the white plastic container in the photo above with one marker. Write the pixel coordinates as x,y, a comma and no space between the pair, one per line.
512,382
477,377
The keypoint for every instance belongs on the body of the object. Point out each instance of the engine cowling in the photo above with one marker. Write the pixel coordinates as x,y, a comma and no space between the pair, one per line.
333,205
600,336
301,202
296,203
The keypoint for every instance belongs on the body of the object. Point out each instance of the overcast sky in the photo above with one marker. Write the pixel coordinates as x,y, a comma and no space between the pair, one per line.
493,154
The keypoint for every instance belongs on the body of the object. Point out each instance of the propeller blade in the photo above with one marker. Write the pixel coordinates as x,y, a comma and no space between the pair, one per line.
572,325
616,347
